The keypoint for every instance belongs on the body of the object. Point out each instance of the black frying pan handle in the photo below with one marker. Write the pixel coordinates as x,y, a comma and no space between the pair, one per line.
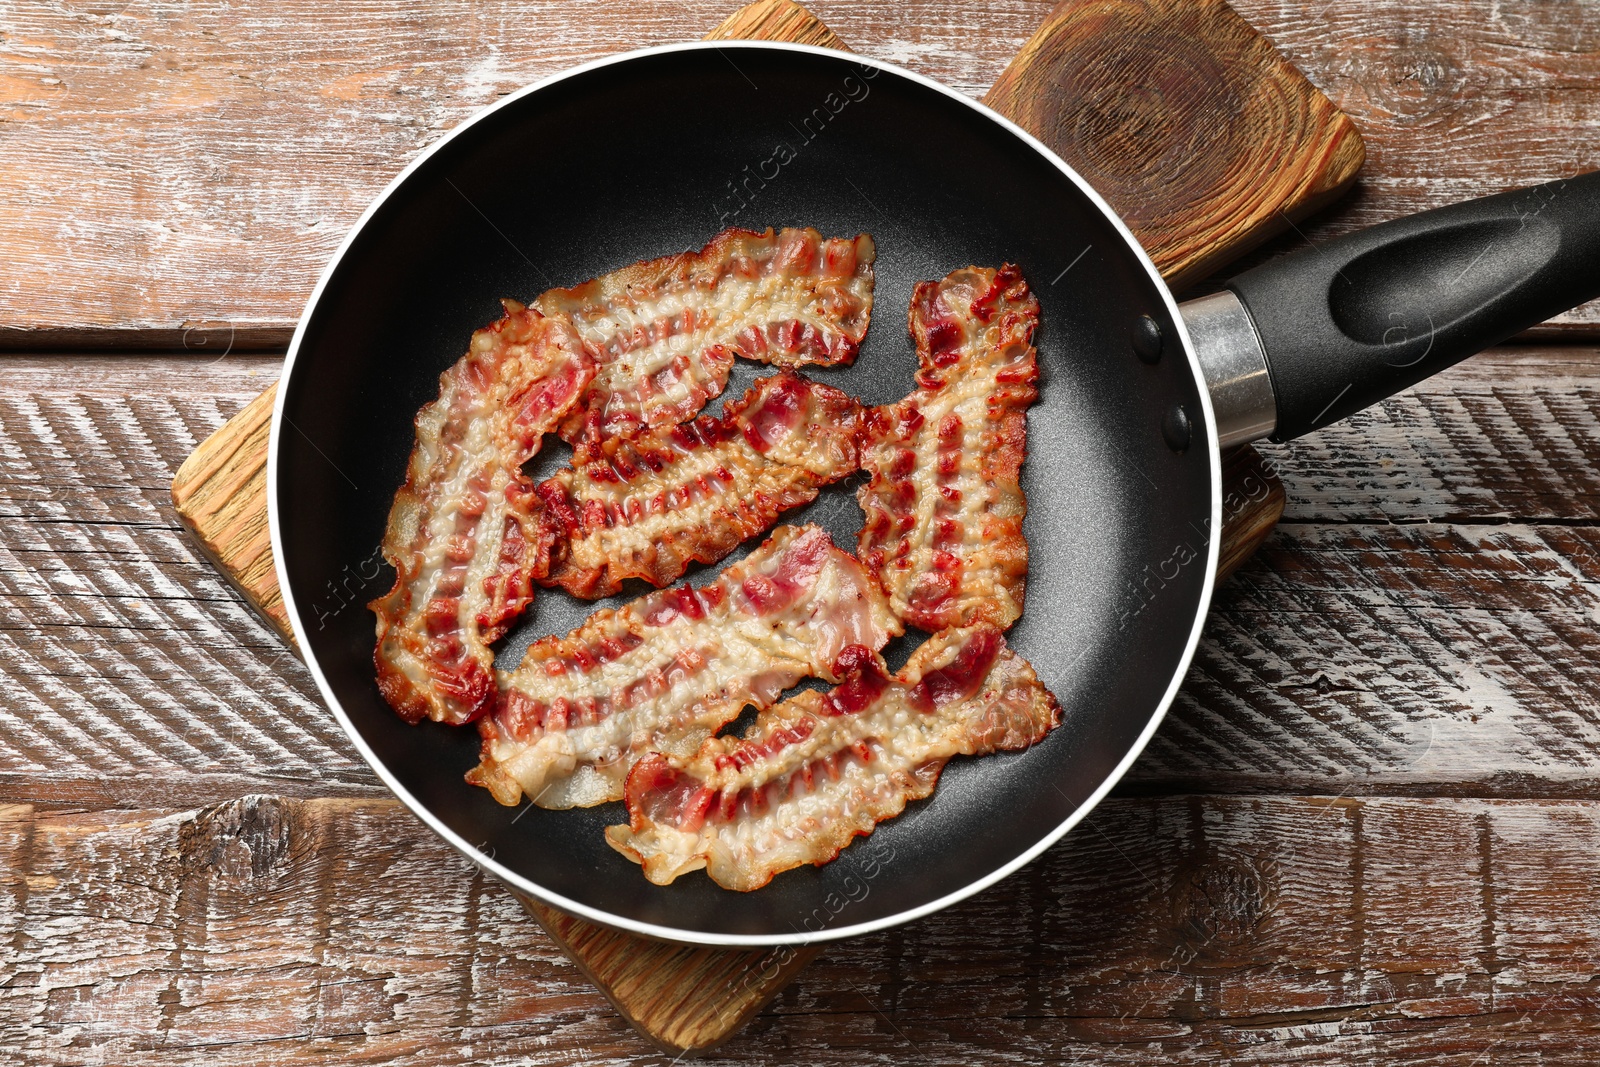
1361,317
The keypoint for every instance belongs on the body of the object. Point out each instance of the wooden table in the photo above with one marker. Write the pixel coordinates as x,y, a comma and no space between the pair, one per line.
1369,832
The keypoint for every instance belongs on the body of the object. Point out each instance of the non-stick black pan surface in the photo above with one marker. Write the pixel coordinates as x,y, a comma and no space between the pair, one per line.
654,153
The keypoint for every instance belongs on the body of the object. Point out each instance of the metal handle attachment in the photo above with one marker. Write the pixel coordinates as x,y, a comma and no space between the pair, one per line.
1235,367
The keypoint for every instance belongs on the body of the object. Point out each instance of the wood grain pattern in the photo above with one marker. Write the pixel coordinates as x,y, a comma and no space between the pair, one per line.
1207,146
1189,930
776,20
138,132
135,132
125,655
220,491
677,996
1432,455
1439,555
1462,656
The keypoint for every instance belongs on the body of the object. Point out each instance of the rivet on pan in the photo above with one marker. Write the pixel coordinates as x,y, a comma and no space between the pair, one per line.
1147,338
1175,428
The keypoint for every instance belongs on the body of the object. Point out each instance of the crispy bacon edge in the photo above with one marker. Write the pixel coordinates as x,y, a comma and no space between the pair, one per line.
649,505
522,373
797,298
938,570
821,767
431,656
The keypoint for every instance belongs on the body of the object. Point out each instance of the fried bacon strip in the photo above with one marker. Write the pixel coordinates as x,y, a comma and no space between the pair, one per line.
669,669
465,534
646,345
944,509
821,768
664,332
647,506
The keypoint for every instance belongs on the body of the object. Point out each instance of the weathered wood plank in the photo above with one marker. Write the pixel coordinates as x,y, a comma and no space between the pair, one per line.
1413,658
207,162
127,657
1334,661
1508,435
1425,619
1491,685
1179,930
1454,100
201,163
1459,91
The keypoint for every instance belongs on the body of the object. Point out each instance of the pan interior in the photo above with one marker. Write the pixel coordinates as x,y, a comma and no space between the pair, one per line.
654,155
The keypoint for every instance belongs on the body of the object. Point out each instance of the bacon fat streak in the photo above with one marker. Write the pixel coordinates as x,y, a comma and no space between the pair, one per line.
663,334
944,509
644,345
666,671
465,534
821,768
648,506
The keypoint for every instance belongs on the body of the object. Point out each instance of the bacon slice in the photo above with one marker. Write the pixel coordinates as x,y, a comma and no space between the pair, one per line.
821,768
648,506
664,332
669,669
465,534
944,509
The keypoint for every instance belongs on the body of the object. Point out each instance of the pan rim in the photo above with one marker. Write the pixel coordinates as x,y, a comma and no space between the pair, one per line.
792,936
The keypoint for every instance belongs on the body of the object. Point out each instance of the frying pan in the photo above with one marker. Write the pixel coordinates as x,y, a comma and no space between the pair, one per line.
652,152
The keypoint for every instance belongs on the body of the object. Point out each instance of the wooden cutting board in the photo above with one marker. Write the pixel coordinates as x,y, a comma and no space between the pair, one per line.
1192,127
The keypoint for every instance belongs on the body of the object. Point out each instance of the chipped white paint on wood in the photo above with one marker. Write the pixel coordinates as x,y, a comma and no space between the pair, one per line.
1175,930
1512,434
127,656
1428,615
1352,655
201,161
1368,658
